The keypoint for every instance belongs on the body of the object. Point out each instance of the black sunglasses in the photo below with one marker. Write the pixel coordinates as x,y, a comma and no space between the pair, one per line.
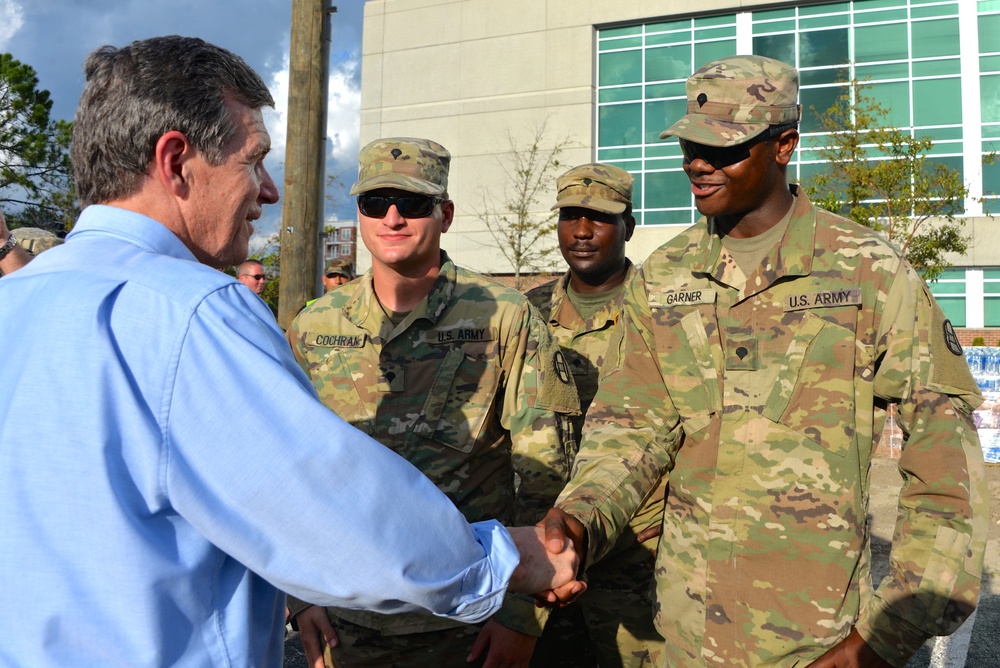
409,206
256,277
720,156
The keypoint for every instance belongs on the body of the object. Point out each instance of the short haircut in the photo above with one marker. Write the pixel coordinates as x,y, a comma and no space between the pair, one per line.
243,266
139,92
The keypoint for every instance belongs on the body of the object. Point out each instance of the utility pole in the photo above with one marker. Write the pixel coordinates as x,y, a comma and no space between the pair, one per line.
305,155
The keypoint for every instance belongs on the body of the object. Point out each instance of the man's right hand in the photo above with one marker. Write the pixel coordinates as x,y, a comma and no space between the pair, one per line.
315,630
550,575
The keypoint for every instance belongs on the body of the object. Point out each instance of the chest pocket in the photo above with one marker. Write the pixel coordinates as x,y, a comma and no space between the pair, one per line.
814,392
460,399
685,353
339,376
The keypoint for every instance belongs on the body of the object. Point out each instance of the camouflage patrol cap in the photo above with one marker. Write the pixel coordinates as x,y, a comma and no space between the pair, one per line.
35,239
338,267
407,163
603,188
732,100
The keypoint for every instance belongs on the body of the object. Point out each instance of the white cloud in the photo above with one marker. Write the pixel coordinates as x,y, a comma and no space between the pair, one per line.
11,20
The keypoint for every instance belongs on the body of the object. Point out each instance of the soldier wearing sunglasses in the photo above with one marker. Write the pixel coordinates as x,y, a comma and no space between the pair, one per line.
758,354
451,371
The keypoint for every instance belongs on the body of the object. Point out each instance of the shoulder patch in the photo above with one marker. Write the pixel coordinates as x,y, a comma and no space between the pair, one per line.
951,338
823,299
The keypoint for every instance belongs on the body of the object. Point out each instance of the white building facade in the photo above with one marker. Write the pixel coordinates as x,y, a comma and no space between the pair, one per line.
610,77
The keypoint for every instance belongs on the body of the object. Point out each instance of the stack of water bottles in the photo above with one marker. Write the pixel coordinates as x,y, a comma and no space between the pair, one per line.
984,363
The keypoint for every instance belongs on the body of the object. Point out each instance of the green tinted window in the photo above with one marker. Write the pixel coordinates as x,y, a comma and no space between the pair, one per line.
667,190
683,37
620,94
660,115
991,178
880,72
620,124
935,38
933,68
991,312
621,32
895,97
830,8
989,91
668,62
620,67
937,102
675,89
989,34
823,47
989,64
827,75
708,51
954,309
815,102
779,47
876,17
885,42
773,26
824,21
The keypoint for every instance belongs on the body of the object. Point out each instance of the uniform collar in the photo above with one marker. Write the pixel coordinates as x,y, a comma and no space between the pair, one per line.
363,304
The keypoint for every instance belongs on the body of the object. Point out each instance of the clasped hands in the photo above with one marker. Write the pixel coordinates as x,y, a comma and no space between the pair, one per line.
551,553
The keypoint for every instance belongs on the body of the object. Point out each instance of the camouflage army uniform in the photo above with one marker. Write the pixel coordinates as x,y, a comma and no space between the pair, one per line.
761,396
467,376
618,606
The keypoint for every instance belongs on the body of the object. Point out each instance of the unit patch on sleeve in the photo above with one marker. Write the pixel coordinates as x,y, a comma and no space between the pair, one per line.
951,338
823,299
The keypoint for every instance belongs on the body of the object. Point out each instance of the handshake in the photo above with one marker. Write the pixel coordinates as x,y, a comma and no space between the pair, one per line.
551,554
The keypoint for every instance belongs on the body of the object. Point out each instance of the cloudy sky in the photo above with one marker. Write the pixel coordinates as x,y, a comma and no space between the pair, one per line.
55,36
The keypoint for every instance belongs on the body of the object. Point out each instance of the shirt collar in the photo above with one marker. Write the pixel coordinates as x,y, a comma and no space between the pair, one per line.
131,227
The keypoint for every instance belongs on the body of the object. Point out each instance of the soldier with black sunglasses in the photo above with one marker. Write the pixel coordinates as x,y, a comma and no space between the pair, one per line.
451,371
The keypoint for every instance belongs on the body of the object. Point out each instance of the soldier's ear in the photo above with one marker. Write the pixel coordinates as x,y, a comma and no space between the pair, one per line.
629,226
784,146
447,215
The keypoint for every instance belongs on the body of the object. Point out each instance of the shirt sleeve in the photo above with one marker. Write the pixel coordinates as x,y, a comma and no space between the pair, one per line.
630,435
277,481
940,534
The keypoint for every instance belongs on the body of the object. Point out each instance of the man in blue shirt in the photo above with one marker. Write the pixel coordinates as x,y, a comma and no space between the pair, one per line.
156,435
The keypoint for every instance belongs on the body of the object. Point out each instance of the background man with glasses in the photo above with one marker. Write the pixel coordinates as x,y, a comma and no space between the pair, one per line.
251,274
449,370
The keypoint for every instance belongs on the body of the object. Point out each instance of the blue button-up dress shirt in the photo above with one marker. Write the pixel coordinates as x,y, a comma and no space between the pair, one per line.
166,470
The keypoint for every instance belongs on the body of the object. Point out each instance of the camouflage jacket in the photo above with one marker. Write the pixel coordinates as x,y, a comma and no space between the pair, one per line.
585,343
467,377
760,395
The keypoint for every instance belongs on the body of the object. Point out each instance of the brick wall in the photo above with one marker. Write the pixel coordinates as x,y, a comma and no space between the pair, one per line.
991,337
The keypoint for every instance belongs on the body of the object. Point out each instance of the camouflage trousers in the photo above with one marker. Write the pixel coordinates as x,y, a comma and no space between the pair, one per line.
361,646
614,620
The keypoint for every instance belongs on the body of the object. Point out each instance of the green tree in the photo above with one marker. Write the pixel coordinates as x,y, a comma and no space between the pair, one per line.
525,237
881,177
36,186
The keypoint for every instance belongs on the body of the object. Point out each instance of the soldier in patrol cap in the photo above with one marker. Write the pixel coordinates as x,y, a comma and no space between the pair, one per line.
612,623
453,372
336,273
757,354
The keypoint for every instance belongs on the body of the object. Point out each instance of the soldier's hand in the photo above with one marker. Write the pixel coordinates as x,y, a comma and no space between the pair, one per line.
548,575
507,648
851,652
563,531
651,532
315,630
